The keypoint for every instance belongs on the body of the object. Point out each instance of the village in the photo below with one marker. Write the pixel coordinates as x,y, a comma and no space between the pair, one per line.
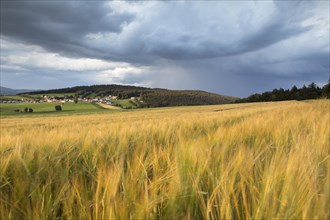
108,100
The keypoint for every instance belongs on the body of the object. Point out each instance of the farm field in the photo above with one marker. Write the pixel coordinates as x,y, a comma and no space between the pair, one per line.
49,109
124,103
238,161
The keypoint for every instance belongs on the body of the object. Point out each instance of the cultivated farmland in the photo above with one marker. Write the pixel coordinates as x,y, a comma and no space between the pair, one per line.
239,161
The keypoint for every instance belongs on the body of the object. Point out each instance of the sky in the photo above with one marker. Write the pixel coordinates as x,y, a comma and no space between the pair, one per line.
233,48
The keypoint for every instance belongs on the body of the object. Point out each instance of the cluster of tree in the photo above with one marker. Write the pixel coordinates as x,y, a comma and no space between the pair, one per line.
312,91
163,98
26,110
58,107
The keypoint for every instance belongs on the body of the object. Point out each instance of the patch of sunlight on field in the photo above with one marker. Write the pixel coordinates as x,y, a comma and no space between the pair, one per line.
107,106
240,161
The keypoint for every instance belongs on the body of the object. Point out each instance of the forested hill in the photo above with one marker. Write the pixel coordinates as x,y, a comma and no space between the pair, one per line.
162,98
152,97
312,91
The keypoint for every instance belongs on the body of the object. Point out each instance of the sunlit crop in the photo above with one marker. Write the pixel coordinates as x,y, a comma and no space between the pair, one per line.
242,161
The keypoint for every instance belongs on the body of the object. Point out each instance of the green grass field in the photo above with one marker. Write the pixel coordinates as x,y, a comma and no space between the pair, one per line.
125,103
49,108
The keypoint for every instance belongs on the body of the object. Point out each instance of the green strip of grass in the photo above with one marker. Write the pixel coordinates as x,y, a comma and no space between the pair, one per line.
49,108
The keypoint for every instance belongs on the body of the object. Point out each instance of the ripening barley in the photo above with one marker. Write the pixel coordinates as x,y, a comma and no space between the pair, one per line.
242,161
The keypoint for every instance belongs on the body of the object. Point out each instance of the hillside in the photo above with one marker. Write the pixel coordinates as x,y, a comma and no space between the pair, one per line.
9,91
162,98
152,97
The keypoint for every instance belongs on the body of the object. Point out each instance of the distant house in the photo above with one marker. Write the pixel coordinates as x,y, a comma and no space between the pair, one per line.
106,102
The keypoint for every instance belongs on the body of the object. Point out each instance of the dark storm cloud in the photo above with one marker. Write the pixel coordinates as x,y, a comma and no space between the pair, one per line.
185,47
232,77
270,35
60,26
131,78
172,41
230,47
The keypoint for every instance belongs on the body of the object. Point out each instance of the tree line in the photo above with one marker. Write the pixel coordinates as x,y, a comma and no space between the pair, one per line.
312,91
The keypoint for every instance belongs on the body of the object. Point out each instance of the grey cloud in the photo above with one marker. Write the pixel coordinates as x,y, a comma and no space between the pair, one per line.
321,58
241,76
268,36
133,79
186,47
171,42
60,26
40,79
234,48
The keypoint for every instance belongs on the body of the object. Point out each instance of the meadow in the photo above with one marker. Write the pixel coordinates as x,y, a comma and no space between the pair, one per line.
238,161
40,109
125,103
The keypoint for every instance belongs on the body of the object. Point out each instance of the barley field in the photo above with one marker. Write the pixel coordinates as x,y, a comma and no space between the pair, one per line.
239,161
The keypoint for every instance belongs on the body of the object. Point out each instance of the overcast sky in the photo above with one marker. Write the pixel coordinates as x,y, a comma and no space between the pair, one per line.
228,47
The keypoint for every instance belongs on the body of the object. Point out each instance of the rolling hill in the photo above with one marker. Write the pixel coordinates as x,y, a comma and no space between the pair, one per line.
152,97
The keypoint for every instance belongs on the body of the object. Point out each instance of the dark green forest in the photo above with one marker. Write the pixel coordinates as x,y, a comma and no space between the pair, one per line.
312,91
162,98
